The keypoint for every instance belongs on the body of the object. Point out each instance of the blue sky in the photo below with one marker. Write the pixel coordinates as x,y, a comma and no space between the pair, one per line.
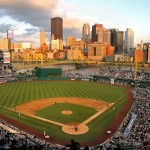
26,18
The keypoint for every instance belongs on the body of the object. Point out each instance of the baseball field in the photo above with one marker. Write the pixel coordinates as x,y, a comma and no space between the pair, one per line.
64,109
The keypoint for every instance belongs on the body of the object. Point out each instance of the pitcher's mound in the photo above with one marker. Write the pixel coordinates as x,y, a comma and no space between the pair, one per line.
67,112
75,130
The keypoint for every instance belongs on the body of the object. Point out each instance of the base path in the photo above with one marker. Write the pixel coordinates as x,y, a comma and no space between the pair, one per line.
98,113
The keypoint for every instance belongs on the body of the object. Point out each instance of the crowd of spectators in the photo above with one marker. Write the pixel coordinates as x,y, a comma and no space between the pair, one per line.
123,73
6,76
20,140
85,73
139,135
116,73
75,75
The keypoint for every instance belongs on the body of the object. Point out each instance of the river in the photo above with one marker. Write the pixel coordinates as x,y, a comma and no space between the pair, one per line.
71,68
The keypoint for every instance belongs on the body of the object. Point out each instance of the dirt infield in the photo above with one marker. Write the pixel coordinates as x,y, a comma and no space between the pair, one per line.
33,106
100,139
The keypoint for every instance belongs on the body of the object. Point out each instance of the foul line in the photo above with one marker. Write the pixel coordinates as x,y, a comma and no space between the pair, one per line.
96,115
39,118
122,95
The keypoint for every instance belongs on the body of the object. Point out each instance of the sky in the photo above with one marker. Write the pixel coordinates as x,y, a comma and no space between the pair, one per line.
28,17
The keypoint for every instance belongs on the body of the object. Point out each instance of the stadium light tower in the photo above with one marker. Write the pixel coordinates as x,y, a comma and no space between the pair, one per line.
136,66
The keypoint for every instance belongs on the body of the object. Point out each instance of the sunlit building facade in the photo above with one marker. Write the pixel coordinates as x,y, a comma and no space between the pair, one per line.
4,44
139,56
44,48
42,37
96,51
106,37
97,33
56,44
75,54
26,45
17,47
70,40
78,45
110,50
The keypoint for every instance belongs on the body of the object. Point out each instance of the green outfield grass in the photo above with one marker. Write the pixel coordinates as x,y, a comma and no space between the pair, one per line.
14,94
54,113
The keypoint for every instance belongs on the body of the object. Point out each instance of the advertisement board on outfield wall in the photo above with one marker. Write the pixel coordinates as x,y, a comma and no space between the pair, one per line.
112,81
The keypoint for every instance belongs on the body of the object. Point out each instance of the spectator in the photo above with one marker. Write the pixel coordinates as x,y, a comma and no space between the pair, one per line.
74,145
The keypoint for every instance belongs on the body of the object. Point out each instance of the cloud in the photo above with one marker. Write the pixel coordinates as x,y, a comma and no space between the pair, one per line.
32,15
2,12
71,32
38,13
74,22
34,12
4,27
31,31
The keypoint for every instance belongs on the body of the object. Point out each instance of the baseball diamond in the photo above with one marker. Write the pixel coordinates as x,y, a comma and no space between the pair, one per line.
64,110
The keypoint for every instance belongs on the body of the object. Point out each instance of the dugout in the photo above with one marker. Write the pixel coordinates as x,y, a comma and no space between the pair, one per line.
46,72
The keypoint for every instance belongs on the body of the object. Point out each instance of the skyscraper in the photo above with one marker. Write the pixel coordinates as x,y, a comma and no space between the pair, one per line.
106,37
42,37
97,33
114,39
57,28
117,40
86,32
120,42
129,40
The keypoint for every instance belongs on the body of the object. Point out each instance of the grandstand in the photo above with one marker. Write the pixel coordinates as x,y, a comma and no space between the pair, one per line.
14,138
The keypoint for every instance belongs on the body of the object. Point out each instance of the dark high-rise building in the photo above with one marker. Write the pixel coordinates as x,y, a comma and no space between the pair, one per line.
117,40
57,28
120,42
114,39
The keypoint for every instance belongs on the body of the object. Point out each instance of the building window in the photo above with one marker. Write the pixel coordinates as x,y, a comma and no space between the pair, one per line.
94,51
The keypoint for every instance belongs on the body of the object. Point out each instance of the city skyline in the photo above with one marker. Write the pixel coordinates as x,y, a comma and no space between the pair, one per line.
27,18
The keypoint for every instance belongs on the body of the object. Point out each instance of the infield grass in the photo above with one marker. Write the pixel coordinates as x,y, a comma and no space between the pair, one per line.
54,113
